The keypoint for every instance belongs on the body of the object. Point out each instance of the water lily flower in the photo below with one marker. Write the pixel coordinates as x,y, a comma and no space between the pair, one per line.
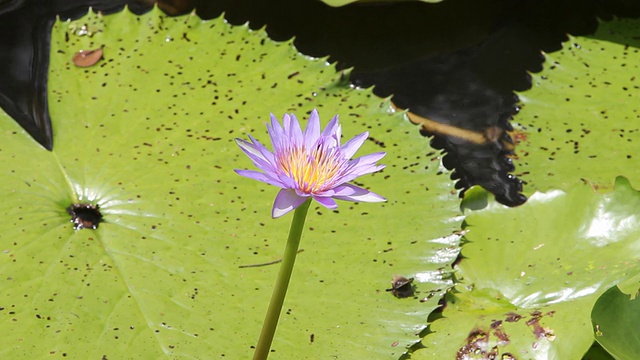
310,164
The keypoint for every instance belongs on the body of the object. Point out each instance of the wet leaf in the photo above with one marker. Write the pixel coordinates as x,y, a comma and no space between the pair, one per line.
615,319
580,120
549,260
146,134
534,273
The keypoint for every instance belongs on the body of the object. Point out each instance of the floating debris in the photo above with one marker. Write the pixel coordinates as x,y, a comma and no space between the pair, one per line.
87,58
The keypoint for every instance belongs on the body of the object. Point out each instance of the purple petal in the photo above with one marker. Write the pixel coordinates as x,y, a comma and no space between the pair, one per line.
287,181
364,170
333,129
249,148
327,202
255,152
329,143
368,159
350,176
312,130
266,154
256,175
354,193
276,132
363,164
286,200
275,128
292,129
351,146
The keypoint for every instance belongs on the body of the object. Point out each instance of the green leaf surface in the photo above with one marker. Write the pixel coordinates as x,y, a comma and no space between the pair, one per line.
596,352
529,276
147,135
580,120
615,318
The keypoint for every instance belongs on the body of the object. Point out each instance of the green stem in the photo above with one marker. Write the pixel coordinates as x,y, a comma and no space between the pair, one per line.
282,283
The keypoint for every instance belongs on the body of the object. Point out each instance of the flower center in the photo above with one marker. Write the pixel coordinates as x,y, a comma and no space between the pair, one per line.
313,171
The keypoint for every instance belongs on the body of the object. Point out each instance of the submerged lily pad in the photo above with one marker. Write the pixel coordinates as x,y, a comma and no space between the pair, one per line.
530,276
146,135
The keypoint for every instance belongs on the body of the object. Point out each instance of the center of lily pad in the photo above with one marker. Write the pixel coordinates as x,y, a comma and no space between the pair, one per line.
85,216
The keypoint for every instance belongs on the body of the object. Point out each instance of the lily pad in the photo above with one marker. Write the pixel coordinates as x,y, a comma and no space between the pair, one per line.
580,120
596,352
530,276
146,136
615,318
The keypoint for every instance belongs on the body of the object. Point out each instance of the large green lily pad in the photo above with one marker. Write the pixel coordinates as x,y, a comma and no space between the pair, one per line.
615,318
580,120
530,276
147,135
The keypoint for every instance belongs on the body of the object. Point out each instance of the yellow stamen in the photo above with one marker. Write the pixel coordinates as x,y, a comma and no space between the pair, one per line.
312,171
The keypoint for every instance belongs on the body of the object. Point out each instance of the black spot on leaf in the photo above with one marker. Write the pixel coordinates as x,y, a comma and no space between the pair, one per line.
85,216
